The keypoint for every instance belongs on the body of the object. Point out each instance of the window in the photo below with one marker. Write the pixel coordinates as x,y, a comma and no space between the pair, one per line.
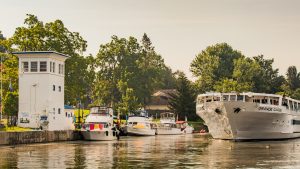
62,69
34,66
225,98
59,88
66,114
59,68
53,87
232,97
43,66
50,66
58,110
264,101
53,110
240,98
24,66
296,122
53,64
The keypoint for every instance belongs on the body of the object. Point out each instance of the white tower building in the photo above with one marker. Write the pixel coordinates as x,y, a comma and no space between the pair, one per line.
41,90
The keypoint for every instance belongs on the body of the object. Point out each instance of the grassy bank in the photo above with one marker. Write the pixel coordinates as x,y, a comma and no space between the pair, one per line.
12,129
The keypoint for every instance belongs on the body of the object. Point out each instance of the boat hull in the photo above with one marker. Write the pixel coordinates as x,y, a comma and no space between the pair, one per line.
99,135
248,121
140,132
168,131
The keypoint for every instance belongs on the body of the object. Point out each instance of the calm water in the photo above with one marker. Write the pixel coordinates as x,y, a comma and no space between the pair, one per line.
182,151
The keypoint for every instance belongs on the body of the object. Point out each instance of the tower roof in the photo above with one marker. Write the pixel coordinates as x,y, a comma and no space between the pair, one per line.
39,52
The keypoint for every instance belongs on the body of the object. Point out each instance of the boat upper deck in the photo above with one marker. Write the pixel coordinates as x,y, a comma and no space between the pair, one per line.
260,98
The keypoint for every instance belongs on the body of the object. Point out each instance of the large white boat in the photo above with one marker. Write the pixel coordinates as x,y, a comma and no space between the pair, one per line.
244,116
99,125
167,125
140,125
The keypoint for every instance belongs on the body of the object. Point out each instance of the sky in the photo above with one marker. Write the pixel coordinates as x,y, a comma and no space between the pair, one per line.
179,29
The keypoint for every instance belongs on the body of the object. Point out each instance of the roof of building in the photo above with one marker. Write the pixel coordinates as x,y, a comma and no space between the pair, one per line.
165,92
40,52
68,107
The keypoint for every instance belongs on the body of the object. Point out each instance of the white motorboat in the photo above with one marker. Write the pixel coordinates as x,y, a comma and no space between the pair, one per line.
185,127
140,125
99,125
245,116
167,125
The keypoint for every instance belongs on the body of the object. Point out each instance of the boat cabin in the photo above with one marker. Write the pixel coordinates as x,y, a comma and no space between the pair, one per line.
259,98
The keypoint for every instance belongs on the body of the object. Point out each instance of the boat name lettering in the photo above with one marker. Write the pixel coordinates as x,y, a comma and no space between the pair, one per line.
269,109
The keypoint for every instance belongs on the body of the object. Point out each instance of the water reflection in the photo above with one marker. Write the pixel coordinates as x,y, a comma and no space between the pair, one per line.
190,151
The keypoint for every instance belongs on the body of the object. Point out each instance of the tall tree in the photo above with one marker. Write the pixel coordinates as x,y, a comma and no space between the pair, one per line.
293,78
267,78
213,64
183,101
127,61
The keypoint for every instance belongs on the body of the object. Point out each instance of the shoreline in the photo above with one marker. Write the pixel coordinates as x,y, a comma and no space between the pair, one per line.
30,137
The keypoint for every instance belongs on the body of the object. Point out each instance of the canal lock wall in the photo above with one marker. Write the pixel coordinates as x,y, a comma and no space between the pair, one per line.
29,137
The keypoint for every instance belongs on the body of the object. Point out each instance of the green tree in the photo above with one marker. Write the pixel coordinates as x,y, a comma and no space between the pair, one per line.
229,85
267,79
214,63
183,101
127,61
10,106
293,78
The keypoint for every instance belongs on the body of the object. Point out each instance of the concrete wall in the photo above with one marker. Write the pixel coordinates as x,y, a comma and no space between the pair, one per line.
11,138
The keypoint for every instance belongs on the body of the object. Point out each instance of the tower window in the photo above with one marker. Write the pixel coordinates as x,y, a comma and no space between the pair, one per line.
34,66
53,64
24,66
58,110
59,88
53,87
43,66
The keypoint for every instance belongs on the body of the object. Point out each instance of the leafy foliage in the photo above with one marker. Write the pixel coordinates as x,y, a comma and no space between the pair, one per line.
223,69
128,70
183,101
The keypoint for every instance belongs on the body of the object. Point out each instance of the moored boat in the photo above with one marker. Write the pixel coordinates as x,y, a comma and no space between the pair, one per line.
99,125
185,127
167,125
246,116
140,125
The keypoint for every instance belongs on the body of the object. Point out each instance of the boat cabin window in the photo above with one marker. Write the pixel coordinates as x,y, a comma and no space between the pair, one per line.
264,101
225,97
216,98
232,97
256,100
208,99
284,103
240,98
295,106
290,105
274,100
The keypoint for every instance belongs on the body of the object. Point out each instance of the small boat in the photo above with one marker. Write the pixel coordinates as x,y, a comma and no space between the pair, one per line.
167,125
140,125
99,125
185,127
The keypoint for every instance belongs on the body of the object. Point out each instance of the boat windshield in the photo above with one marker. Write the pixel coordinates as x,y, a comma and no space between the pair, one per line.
99,110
